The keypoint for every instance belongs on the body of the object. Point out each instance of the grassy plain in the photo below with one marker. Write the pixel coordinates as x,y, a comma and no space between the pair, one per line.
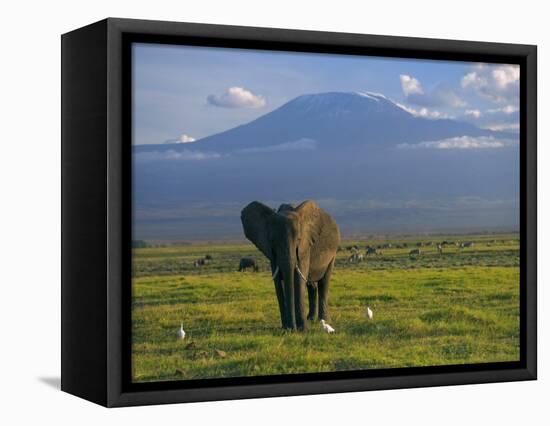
461,306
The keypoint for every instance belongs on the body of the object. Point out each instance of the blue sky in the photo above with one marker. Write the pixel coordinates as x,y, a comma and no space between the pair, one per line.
184,93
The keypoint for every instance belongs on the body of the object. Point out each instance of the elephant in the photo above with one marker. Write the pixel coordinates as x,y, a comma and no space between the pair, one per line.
300,243
247,262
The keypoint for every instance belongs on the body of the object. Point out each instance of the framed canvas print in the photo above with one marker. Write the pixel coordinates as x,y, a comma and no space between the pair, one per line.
253,212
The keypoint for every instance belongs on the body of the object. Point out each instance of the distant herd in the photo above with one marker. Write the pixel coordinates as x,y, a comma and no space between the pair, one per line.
249,263
356,256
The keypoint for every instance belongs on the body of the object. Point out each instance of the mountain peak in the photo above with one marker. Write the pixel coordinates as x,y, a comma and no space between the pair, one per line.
327,105
335,97
373,95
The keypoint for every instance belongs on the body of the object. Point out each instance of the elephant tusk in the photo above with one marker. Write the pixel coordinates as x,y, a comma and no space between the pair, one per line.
300,273
275,273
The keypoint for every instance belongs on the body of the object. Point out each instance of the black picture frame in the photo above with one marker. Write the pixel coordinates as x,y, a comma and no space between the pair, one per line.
96,211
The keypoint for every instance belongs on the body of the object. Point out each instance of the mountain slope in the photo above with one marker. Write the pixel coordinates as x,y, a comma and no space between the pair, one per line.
332,120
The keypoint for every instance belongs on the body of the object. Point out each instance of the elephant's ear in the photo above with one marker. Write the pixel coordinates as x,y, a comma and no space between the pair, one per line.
255,218
311,222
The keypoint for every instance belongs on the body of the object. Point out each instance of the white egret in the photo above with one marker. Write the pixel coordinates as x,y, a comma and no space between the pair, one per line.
369,313
326,327
181,332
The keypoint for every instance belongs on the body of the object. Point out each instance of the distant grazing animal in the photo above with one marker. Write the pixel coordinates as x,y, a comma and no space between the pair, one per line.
429,243
247,262
372,250
208,257
356,258
466,245
181,332
419,244
414,252
199,262
440,249
370,315
327,328
405,245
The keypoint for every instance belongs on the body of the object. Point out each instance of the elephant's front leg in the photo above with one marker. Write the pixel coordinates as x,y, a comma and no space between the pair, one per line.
280,294
300,301
324,284
312,297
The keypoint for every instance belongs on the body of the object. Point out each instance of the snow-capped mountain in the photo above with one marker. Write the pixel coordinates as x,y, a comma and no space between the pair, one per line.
333,120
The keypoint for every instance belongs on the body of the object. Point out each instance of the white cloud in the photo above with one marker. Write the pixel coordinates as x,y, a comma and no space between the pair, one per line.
500,83
508,109
410,85
440,96
182,139
473,113
502,127
505,75
304,144
185,155
423,112
186,139
470,79
460,143
237,97
504,118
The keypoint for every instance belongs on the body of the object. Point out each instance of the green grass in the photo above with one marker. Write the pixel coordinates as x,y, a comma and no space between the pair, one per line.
458,307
